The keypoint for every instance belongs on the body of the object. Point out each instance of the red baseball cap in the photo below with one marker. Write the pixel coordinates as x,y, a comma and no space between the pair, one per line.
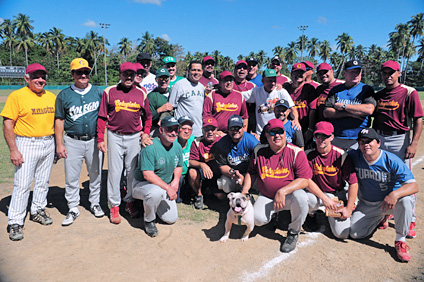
35,67
208,58
324,127
138,66
241,62
391,65
275,123
309,64
324,66
298,66
210,121
128,66
224,74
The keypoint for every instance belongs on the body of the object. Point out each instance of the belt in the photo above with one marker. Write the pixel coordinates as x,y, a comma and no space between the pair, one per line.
80,137
47,137
125,133
390,133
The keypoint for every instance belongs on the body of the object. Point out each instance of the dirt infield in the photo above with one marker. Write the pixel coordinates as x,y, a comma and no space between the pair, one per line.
92,249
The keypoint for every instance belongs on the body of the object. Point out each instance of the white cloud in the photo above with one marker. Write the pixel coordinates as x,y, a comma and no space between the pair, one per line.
90,23
322,20
1,20
276,27
166,37
154,2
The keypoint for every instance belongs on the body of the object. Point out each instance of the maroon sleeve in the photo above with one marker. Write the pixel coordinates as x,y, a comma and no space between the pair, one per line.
101,124
208,105
243,110
414,105
103,104
349,172
147,117
301,166
194,151
252,166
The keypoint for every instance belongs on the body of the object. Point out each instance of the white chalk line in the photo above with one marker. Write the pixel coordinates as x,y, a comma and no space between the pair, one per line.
268,266
417,161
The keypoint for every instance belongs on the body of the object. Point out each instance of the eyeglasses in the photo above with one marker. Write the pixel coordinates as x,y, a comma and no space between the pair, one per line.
209,63
79,72
162,79
365,141
172,129
243,66
170,65
235,128
321,136
275,132
275,63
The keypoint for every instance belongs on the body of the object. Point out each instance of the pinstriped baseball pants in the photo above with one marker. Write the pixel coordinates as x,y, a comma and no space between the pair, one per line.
38,155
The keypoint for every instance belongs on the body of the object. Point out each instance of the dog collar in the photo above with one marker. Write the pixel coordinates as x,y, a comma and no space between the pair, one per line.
239,219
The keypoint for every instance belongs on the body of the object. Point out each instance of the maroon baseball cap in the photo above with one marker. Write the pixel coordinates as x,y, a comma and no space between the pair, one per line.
241,62
391,65
210,121
309,65
324,127
128,66
298,66
208,58
35,67
224,74
324,66
138,66
274,123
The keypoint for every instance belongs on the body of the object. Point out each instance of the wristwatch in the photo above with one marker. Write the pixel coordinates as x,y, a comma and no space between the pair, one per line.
344,107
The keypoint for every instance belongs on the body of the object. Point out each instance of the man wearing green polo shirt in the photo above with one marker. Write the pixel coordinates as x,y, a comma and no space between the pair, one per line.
171,66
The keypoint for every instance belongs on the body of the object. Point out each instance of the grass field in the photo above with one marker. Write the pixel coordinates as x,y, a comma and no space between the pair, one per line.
6,167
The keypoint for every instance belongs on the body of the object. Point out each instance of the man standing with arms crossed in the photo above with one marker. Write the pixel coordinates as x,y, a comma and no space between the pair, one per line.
398,106
120,108
77,108
28,122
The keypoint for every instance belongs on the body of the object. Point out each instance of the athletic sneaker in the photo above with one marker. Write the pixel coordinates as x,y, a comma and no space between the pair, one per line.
290,242
16,232
97,211
198,202
70,217
130,208
114,215
41,217
402,251
150,228
412,233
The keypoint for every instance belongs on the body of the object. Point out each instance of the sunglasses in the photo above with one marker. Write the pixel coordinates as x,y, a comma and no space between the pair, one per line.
275,132
365,141
320,136
163,79
235,128
79,72
243,66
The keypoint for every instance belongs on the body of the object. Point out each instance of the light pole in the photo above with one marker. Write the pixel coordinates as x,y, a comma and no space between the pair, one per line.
105,26
302,28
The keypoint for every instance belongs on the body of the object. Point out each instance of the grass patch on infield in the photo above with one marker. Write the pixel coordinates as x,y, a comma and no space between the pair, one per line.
6,92
6,168
421,95
189,213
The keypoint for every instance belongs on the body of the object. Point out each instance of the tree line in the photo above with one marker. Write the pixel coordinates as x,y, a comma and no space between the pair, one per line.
20,46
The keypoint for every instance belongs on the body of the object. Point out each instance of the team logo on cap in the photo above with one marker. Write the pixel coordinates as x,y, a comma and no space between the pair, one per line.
299,66
355,63
172,119
162,70
234,118
210,120
364,131
81,62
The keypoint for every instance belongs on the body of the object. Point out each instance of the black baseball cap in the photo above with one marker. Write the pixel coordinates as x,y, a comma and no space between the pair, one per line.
235,120
143,56
368,133
353,64
283,103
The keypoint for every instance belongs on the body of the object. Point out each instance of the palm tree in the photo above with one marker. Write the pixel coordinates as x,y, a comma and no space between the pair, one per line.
217,55
93,46
24,29
291,52
147,43
227,63
416,25
261,57
58,40
421,54
125,46
46,41
279,51
7,29
302,42
359,52
324,50
344,44
313,47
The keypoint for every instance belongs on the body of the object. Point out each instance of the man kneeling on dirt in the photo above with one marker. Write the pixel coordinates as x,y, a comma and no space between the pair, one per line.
158,174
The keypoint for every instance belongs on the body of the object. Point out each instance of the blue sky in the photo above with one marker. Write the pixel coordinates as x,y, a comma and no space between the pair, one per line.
232,26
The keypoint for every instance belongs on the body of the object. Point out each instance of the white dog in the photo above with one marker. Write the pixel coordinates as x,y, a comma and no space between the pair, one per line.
241,213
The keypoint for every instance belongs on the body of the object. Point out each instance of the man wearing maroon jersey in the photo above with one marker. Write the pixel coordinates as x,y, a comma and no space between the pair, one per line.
208,66
308,74
303,95
203,170
282,172
330,169
398,106
224,102
326,77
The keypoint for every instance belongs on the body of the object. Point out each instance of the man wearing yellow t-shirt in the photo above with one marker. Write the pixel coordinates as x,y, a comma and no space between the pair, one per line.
28,127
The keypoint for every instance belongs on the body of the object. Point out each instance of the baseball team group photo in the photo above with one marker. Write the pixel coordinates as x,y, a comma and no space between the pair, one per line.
161,164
